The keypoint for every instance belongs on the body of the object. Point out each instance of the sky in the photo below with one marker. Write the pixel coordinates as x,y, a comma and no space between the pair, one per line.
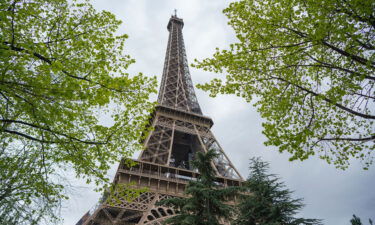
329,193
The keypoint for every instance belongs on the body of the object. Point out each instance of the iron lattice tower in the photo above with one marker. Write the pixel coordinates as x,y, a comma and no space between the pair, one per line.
180,130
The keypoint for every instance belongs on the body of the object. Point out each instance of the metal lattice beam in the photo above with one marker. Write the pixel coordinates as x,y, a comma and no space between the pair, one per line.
179,131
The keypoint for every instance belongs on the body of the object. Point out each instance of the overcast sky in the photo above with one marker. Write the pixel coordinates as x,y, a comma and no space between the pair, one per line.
329,194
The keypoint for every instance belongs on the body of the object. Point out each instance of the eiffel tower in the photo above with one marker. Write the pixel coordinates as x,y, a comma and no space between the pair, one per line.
179,131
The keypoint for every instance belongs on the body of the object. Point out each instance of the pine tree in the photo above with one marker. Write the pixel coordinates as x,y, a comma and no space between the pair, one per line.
357,221
267,201
206,202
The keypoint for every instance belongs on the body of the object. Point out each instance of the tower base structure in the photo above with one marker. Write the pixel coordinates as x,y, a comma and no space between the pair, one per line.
162,182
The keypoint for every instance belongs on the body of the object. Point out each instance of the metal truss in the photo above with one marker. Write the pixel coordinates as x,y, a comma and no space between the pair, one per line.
159,145
177,90
141,210
179,131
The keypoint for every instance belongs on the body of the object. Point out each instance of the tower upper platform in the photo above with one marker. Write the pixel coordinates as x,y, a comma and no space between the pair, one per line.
176,89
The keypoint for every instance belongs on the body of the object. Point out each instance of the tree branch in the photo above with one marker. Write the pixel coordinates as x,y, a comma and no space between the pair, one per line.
349,139
327,65
356,58
27,136
327,100
47,60
281,46
366,96
52,131
355,16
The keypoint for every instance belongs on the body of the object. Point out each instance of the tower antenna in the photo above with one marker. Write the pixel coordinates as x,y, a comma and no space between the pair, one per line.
175,12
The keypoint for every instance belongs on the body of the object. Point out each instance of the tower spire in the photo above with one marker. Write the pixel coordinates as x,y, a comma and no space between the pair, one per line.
177,90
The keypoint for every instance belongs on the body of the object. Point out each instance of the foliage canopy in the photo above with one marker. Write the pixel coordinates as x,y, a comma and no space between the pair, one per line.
309,67
62,67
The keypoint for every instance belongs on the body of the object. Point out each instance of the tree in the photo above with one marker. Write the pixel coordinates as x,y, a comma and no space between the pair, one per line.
267,201
206,202
62,69
27,196
357,221
309,67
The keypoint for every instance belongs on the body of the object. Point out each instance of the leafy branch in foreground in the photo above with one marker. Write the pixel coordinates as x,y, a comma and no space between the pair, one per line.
61,69
28,194
309,67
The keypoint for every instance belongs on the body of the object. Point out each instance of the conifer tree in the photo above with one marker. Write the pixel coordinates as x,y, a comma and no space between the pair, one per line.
357,221
267,201
206,202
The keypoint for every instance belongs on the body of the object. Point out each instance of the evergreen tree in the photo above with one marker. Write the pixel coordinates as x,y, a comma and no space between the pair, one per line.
269,202
206,202
357,221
